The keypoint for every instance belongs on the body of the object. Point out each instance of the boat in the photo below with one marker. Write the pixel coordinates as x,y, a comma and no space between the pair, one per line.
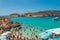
55,18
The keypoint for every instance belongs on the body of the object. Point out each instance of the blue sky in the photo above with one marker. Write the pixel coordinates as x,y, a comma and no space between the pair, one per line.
21,6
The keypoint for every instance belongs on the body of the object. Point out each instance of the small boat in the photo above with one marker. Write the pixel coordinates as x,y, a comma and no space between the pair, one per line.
55,18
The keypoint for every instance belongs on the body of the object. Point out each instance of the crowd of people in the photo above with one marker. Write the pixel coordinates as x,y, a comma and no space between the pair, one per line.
18,36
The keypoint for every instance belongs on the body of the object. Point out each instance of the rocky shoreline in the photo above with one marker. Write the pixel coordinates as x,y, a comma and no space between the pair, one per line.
6,24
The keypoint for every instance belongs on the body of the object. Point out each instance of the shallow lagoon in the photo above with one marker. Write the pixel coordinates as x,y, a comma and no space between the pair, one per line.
41,22
32,26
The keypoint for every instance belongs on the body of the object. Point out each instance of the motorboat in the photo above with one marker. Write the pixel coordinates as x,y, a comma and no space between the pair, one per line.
55,18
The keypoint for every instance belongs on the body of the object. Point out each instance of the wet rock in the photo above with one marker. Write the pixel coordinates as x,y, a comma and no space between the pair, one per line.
6,24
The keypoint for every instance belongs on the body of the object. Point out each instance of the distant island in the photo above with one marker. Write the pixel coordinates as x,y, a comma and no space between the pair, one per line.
36,14
42,13
14,15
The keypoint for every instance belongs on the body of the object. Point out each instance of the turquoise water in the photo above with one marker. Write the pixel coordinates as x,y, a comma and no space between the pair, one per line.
41,22
35,24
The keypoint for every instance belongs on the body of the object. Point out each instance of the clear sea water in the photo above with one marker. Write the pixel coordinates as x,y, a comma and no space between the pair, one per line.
41,22
36,25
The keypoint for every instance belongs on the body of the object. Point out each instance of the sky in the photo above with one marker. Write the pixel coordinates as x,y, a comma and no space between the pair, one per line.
22,6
